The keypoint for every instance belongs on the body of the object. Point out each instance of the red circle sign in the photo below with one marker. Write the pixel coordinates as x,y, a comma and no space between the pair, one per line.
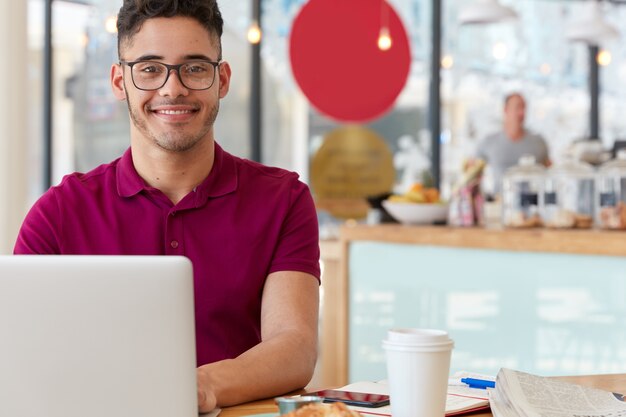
336,60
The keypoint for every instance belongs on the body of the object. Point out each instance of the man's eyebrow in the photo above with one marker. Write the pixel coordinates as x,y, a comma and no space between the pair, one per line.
198,56
150,57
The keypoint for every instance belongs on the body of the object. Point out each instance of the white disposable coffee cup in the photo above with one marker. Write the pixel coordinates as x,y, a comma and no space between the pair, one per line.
418,364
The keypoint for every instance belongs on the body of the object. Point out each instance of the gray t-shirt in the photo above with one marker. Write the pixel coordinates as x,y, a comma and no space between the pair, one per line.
501,153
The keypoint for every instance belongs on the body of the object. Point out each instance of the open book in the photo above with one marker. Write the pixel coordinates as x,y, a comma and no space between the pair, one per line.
460,400
518,394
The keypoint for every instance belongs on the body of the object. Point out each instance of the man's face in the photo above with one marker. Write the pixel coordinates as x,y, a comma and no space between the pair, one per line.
174,118
515,110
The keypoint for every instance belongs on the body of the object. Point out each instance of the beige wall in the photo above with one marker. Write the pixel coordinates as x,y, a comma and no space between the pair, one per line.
13,108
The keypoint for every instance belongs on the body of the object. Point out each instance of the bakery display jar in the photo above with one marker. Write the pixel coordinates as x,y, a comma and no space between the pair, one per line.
611,193
568,197
522,192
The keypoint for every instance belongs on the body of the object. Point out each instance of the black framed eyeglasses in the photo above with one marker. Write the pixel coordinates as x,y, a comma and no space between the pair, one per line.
152,75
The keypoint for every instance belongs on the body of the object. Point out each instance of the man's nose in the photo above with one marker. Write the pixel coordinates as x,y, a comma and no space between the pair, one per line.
173,87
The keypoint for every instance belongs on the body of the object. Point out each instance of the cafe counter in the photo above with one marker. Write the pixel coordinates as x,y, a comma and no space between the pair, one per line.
550,302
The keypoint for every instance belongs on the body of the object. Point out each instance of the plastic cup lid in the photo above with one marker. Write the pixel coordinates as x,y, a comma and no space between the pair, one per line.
410,336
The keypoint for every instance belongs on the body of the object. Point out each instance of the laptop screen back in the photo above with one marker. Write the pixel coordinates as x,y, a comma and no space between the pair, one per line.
97,336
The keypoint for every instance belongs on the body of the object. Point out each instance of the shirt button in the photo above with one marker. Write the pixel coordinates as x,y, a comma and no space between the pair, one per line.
174,244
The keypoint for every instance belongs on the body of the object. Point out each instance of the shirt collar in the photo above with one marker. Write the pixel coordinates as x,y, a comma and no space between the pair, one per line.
221,180
129,182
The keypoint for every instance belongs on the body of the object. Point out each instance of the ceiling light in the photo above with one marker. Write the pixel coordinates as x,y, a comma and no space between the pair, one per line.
485,11
384,39
592,29
499,51
110,24
604,58
254,33
447,62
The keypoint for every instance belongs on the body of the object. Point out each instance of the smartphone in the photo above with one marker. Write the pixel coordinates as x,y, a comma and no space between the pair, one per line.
359,399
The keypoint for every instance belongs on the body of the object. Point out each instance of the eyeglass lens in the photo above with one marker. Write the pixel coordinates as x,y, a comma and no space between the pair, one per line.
196,75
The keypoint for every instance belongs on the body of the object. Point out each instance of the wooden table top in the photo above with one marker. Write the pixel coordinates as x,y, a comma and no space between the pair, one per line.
610,382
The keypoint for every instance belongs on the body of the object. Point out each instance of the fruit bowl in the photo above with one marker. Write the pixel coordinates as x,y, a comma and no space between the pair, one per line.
416,213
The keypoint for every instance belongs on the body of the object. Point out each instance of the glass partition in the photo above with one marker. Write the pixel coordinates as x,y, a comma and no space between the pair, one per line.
480,65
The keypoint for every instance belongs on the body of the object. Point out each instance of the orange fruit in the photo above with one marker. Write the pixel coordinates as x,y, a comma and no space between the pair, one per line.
417,187
432,195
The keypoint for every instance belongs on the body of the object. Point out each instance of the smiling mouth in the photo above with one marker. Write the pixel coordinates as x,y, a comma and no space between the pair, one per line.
174,112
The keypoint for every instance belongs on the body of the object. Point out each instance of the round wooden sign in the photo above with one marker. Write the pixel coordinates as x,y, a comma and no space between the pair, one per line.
352,163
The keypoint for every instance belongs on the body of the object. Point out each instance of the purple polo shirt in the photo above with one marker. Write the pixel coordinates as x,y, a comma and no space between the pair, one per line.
242,223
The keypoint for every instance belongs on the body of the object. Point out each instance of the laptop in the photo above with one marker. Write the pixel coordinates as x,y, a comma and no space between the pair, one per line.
97,336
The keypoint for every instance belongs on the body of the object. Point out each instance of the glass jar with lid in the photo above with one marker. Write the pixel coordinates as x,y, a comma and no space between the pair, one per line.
611,193
522,190
568,198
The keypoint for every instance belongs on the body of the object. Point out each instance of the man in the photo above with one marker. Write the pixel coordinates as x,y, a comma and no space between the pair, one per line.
503,149
250,231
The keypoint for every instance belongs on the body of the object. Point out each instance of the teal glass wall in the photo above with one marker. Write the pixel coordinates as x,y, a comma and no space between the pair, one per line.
550,314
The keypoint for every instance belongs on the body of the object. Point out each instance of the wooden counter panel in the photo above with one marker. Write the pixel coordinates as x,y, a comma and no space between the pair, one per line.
334,293
592,242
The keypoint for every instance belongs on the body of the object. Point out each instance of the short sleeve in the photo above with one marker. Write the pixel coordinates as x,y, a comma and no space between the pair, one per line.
39,231
297,248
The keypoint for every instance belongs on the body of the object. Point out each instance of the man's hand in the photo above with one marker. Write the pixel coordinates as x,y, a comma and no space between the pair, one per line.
206,397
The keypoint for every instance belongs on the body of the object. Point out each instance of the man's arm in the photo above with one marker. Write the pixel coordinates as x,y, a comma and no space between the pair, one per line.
285,358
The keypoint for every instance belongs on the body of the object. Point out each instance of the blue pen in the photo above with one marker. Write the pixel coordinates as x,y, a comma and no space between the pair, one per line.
478,383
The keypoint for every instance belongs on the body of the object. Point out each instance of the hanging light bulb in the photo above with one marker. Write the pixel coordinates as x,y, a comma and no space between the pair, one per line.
604,58
384,37
254,33
110,24
499,51
447,62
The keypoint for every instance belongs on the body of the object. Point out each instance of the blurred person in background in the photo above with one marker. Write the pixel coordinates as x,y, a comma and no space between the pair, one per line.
503,149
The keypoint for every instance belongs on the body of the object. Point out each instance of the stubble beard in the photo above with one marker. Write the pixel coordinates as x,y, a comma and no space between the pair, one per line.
173,140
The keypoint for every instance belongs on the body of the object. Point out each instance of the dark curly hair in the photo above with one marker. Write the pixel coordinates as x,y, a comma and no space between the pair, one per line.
134,13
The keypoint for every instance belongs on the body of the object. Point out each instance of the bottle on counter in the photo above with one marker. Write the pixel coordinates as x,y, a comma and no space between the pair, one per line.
611,193
466,202
568,198
522,194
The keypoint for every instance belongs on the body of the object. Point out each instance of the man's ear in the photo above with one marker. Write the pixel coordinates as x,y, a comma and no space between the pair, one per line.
117,81
224,78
